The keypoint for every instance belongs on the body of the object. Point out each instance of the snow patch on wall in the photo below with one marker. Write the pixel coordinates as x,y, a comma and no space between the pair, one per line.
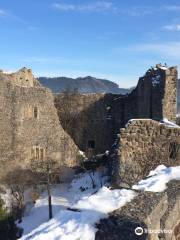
157,179
156,80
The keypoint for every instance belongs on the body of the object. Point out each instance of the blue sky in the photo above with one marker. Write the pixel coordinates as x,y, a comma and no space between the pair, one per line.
113,39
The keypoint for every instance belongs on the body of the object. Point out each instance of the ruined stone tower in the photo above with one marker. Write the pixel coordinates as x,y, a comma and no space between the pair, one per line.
28,119
101,116
128,129
170,94
157,94
148,139
29,125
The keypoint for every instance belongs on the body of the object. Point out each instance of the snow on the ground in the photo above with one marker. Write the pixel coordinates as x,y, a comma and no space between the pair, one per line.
39,213
87,205
92,204
6,196
105,200
169,123
82,184
157,179
82,153
75,225
63,196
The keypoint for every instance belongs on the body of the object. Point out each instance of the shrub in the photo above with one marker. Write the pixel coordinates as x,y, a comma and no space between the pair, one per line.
178,120
8,228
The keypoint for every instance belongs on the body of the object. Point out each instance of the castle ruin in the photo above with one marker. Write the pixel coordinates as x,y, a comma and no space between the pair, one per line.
133,129
29,125
133,121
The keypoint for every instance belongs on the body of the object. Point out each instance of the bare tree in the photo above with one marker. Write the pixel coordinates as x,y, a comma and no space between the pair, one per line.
18,180
46,176
48,170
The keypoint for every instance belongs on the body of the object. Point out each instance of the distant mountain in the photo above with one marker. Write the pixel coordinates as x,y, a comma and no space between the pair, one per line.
88,85
84,85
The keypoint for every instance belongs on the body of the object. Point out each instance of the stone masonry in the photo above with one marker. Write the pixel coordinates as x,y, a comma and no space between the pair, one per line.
91,121
29,122
154,212
145,144
29,125
133,128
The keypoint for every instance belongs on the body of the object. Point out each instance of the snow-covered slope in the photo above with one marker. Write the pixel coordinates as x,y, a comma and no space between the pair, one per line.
157,179
89,206
74,225
92,204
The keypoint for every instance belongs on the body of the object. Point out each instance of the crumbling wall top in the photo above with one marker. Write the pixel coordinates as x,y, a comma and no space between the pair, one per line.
22,78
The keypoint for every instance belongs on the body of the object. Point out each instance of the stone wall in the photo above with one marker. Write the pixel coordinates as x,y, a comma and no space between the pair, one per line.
151,211
29,124
91,121
145,144
100,116
21,78
28,116
155,96
170,94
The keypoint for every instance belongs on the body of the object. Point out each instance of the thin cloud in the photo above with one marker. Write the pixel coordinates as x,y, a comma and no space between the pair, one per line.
44,60
172,27
64,7
137,11
52,60
99,6
10,16
149,10
3,13
104,6
166,50
172,8
108,6
32,28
